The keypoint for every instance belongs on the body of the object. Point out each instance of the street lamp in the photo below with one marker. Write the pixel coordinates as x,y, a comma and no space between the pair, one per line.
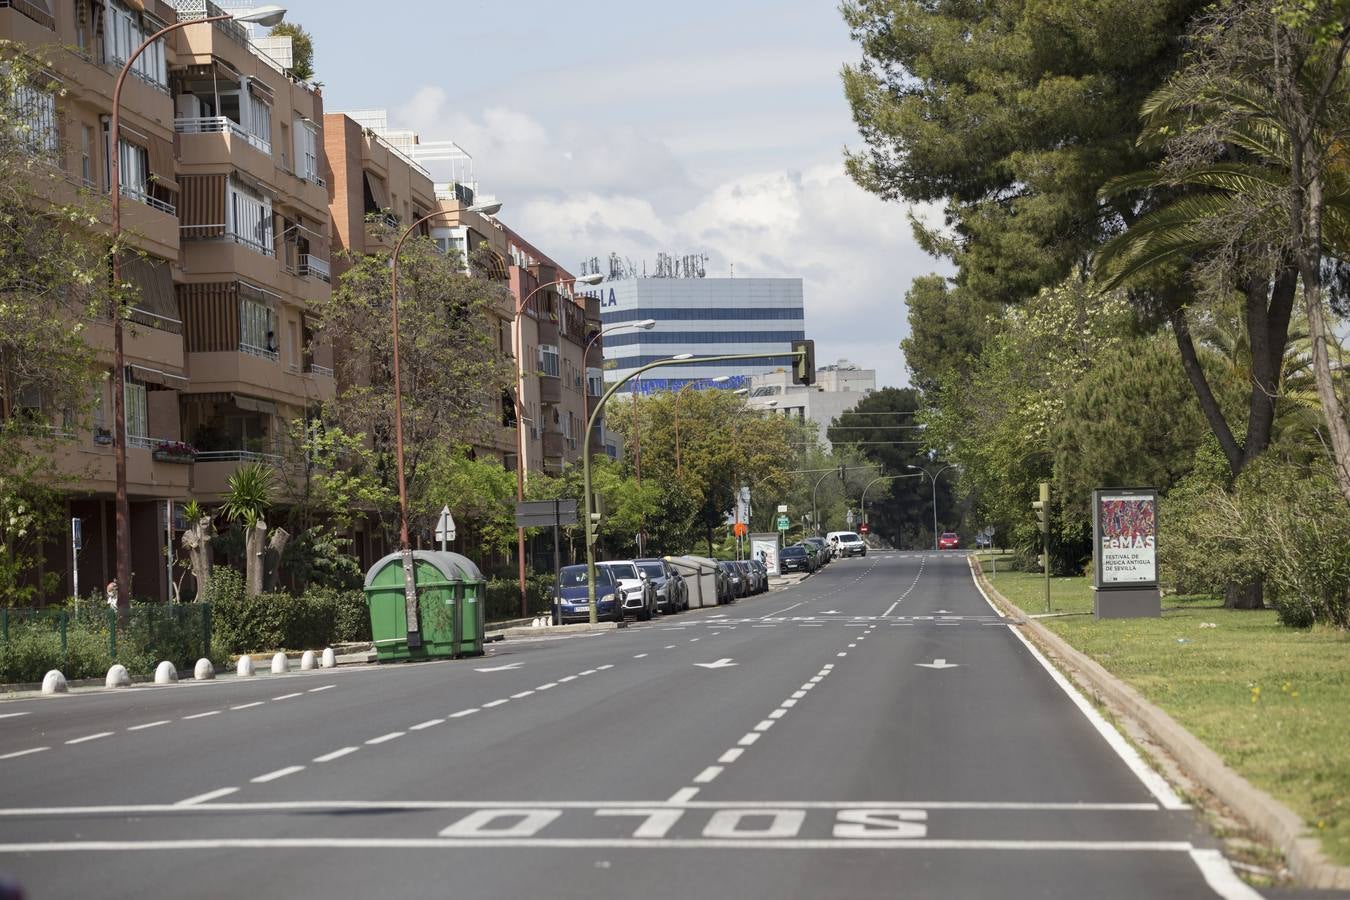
934,479
263,15
815,520
863,502
645,325
720,379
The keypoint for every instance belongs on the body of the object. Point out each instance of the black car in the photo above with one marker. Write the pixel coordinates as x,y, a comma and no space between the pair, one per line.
762,571
571,598
672,594
796,558
736,578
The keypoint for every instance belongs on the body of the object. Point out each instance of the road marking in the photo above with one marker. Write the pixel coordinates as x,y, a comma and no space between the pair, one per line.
214,712
89,737
464,712
279,773
693,640
788,704
807,686
17,753
815,680
12,715
827,667
1156,784
640,656
683,795
249,705
587,672
723,663
778,714
1219,875
731,755
604,667
288,696
781,611
451,843
503,668
567,679
708,775
429,723
495,703
336,754
155,724
326,687
764,725
670,646
841,653
385,738
209,796
851,646
938,663
521,694
748,739
547,687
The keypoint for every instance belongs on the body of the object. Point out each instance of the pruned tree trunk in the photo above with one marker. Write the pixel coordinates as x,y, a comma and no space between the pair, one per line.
255,540
1245,596
196,542
276,545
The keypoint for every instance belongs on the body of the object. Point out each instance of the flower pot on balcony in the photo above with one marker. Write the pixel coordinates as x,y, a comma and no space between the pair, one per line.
174,456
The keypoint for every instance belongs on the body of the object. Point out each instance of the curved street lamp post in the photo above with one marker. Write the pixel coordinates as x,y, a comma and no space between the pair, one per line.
934,479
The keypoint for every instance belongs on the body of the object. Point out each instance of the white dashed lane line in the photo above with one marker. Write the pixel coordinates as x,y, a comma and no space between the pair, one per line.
90,737
429,723
248,705
149,725
495,703
17,753
279,773
385,738
464,712
214,712
336,754
208,796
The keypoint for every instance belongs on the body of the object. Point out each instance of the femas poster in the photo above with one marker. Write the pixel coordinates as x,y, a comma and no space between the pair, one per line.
1126,526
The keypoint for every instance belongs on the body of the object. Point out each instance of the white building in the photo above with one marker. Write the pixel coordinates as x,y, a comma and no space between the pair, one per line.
702,317
838,388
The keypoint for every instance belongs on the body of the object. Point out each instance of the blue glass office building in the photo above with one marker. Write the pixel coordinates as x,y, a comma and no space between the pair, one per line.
702,316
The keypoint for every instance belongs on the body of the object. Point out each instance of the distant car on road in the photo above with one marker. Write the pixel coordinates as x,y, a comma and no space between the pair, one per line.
796,558
949,540
672,594
847,543
571,599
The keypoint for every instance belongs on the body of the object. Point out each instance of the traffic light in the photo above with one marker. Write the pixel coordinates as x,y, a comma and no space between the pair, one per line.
804,366
1042,507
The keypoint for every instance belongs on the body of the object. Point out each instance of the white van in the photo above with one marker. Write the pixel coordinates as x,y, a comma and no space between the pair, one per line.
846,543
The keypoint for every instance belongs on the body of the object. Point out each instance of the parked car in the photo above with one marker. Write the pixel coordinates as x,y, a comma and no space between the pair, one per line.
740,586
796,558
763,571
751,575
672,594
949,540
571,599
639,597
819,548
726,591
847,543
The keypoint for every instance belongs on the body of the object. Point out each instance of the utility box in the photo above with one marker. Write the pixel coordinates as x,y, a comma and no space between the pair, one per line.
700,576
451,601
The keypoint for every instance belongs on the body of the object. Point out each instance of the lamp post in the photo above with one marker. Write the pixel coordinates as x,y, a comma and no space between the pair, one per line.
934,479
720,379
815,520
593,278
404,543
586,450
263,15
863,502
645,325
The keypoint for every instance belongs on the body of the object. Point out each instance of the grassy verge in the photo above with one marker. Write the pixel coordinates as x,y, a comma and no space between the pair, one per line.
1274,702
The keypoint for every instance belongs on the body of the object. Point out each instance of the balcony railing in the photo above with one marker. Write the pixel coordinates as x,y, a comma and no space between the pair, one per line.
322,371
313,266
210,456
154,320
221,125
131,192
32,10
144,443
260,352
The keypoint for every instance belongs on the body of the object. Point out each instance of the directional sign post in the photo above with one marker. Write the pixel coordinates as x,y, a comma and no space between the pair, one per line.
783,523
545,514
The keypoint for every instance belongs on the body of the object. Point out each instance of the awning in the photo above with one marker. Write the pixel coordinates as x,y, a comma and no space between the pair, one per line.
147,375
152,287
161,159
261,91
375,188
253,404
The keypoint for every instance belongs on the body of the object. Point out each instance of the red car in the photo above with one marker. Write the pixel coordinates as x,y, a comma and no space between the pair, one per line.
949,541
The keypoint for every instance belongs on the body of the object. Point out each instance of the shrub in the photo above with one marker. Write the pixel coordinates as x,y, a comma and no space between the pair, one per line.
503,597
320,617
34,648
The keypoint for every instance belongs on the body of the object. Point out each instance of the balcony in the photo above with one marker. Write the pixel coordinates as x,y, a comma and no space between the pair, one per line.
140,195
313,267
221,125
550,389
554,443
260,352
34,11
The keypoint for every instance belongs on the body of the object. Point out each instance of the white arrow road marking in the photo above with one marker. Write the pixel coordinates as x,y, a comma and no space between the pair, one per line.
504,668
723,663
938,664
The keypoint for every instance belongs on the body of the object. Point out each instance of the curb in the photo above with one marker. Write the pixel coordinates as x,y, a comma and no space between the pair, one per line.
1276,822
527,631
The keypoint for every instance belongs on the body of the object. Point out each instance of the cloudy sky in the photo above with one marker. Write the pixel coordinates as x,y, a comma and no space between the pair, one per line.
707,127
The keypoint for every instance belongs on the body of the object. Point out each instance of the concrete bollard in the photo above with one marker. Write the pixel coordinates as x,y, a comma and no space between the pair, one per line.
54,683
118,676
307,661
329,659
280,664
244,667
165,673
203,671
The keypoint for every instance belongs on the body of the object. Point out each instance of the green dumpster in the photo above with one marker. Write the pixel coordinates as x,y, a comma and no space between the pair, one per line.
450,607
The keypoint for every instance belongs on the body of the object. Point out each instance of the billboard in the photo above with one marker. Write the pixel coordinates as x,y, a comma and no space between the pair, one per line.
764,547
1125,533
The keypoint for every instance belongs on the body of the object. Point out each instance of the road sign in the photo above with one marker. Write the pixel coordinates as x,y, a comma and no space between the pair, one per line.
445,526
782,507
783,523
741,529
540,513
863,528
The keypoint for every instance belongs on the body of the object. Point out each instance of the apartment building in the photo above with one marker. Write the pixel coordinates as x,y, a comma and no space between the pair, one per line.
221,190
839,387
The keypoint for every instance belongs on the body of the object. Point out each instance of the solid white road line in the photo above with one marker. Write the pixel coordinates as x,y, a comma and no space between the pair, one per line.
209,796
1221,878
336,754
249,705
1156,784
148,725
17,753
89,737
214,712
495,703
683,795
279,773
429,723
326,687
385,738
464,712
731,755
708,775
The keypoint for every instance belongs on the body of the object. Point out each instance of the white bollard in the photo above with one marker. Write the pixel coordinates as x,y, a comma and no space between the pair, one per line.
204,671
280,664
118,676
165,673
54,683
244,667
329,658
307,661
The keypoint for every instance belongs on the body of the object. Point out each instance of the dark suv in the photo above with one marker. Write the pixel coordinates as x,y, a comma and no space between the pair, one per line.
796,558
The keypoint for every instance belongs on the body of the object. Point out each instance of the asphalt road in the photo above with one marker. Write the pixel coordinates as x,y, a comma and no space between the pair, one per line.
875,731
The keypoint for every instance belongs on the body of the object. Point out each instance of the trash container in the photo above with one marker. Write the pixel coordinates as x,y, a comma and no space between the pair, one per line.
450,591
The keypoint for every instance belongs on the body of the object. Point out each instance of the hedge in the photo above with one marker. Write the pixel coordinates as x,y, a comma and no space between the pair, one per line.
318,618
503,597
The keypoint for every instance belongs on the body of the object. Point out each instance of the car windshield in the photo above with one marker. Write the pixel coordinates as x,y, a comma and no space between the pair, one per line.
623,569
575,576
653,570
849,536
794,551
948,534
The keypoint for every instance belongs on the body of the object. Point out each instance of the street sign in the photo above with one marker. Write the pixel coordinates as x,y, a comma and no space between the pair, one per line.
445,526
782,507
864,529
541,513
783,523
741,529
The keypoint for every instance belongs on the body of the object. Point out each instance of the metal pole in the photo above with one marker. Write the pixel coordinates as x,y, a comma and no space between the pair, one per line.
935,538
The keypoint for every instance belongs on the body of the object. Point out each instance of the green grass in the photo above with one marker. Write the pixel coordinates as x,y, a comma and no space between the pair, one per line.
1274,702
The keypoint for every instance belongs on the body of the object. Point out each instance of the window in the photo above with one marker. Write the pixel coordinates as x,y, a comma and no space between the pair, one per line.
257,120
257,329
548,359
249,218
134,168
137,411
124,33
35,112
453,240
306,151
595,382
87,154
